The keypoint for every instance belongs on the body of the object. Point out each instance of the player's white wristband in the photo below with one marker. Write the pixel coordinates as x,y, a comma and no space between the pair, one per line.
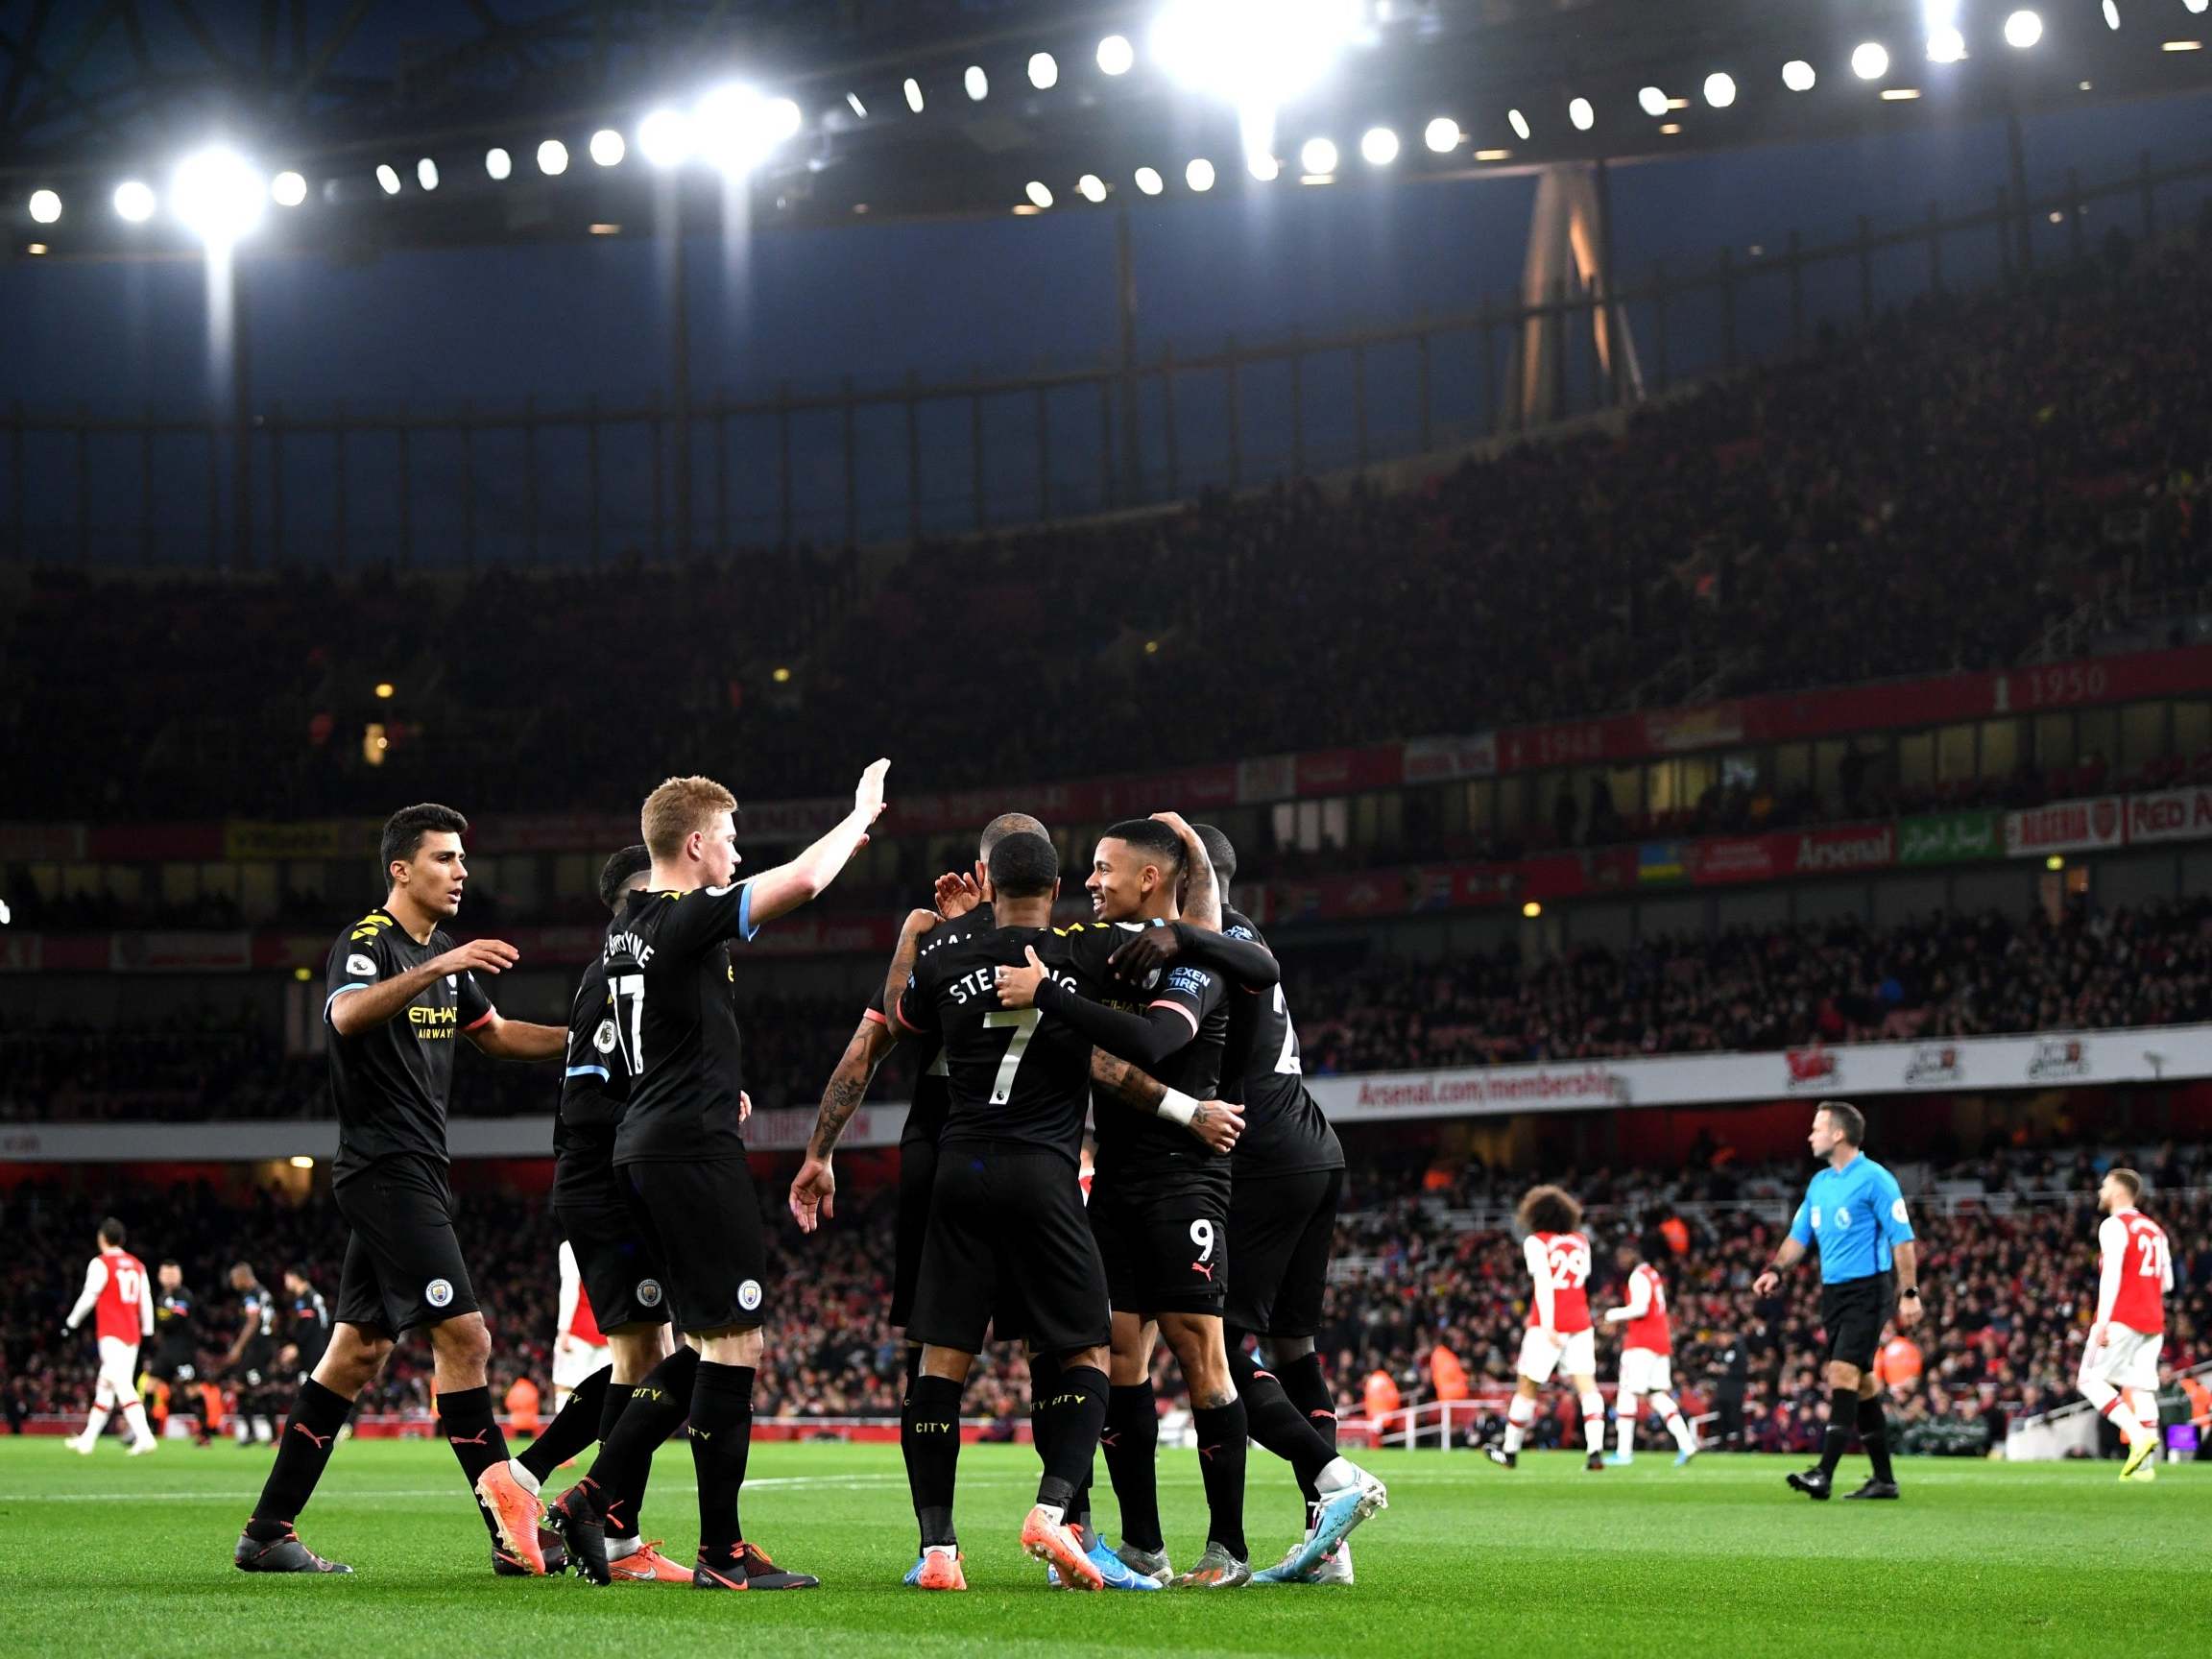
1178,1108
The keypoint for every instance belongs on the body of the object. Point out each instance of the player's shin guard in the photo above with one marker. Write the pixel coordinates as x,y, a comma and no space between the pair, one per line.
1520,1412
317,1416
721,1440
929,1436
574,1428
1842,1417
1132,1443
650,1414
1223,1434
1874,1435
1079,1407
465,1419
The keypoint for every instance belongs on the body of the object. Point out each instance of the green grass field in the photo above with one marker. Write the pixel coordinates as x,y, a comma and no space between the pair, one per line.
131,1557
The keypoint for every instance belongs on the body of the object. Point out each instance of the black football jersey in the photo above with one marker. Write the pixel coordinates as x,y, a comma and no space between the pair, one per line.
391,1081
1285,1130
310,1318
933,1089
172,1321
259,1310
1012,1074
1131,1142
596,1081
669,980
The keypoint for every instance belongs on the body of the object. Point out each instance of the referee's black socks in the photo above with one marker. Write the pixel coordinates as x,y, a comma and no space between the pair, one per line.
721,1441
1842,1419
929,1435
1874,1435
1075,1414
574,1427
302,1453
1223,1432
465,1419
1132,1442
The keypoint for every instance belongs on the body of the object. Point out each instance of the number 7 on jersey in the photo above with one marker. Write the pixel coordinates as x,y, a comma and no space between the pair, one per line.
1023,1023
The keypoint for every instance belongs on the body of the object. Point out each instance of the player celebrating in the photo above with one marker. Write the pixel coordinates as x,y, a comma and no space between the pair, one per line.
399,994
1647,1365
680,1147
2120,1360
115,1287
1559,1336
1869,1275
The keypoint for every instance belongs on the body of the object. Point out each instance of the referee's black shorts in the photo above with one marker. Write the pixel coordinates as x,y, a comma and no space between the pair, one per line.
1285,1227
1007,1232
403,1265
703,1220
620,1266
1853,1313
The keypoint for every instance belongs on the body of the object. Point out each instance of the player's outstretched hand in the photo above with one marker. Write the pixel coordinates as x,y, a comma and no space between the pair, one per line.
957,895
1144,957
1017,986
813,1194
483,955
1217,1123
1766,1283
868,798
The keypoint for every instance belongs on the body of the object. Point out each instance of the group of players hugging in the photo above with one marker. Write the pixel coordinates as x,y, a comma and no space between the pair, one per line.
1163,1021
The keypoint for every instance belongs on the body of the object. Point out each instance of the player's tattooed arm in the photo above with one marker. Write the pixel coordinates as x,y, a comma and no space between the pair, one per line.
1216,1122
814,1188
1201,905
911,934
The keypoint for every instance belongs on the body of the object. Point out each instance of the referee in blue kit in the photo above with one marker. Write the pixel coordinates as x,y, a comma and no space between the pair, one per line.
1869,1276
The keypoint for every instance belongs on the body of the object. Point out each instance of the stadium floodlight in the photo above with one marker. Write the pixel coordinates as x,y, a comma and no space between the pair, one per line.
1653,101
1116,56
1264,168
2197,7
218,195
497,162
552,157
913,94
45,207
1797,75
1254,55
1378,146
736,129
858,109
1443,136
426,173
1044,71
387,178
1199,175
1091,187
1719,89
1040,194
1519,123
665,138
608,148
2023,29
976,82
1318,156
133,200
2111,14
1870,61
1579,113
1946,45
289,188
1149,182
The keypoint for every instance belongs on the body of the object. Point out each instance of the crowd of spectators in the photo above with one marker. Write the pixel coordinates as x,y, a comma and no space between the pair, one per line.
1927,494
1426,1258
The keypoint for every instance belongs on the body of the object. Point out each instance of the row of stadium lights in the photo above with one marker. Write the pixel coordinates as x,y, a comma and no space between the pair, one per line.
218,194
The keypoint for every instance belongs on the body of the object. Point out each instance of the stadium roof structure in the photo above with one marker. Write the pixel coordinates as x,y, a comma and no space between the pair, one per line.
386,113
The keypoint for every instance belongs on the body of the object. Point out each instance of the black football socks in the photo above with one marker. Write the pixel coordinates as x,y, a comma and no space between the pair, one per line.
1077,1408
1131,1443
465,1419
1842,1417
574,1427
1874,1435
721,1441
1223,1434
929,1435
649,1413
302,1454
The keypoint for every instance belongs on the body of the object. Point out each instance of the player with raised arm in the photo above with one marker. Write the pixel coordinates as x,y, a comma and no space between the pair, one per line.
611,1273
121,1304
1161,1207
681,1149
1646,1359
1559,1336
400,994
2119,1359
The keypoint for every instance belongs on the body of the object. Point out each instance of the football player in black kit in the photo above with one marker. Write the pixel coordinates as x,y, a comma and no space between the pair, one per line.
400,994
251,1361
308,1335
681,1151
1161,1208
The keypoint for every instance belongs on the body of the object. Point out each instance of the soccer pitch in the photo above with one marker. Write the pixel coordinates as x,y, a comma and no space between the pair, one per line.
131,1556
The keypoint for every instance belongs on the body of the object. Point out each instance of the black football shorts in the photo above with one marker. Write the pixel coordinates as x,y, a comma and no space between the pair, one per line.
1007,1234
1286,1226
620,1267
403,1265
1853,1313
702,1223
1166,1245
